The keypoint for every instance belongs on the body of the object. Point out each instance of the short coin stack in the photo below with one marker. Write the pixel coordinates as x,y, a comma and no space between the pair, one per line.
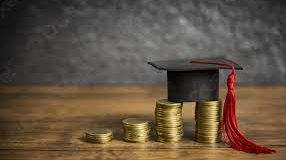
136,130
168,121
99,135
208,121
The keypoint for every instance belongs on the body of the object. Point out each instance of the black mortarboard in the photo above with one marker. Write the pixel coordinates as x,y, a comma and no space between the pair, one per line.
191,82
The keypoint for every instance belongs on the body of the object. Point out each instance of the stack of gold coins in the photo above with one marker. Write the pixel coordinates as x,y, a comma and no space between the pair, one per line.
136,130
208,121
168,121
99,135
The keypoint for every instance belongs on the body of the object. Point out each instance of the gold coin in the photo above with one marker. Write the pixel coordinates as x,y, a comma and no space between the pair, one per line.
165,102
136,130
208,121
99,131
211,103
168,121
99,135
135,121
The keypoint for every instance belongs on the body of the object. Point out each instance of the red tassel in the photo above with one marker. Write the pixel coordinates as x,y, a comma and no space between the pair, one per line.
231,131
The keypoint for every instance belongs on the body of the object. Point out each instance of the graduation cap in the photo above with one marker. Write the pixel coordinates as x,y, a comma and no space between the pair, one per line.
193,80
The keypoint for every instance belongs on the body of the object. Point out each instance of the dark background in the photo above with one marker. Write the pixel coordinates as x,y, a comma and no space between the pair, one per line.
85,42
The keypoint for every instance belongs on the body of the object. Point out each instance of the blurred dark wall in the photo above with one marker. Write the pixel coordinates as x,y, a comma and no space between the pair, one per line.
83,42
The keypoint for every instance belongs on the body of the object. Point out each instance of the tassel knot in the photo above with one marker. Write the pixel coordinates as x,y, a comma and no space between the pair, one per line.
230,82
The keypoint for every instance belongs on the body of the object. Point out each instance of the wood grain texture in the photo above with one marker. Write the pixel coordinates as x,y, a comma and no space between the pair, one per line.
48,122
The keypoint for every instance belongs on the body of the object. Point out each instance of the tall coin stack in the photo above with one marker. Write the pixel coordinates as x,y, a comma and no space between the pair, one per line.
168,121
208,121
99,135
136,130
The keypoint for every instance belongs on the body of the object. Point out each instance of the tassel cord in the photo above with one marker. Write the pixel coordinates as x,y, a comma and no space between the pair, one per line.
230,128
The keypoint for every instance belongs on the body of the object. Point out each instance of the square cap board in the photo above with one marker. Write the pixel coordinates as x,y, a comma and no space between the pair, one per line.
193,82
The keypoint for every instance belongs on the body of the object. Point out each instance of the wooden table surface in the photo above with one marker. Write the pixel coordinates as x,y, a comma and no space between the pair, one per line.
48,122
